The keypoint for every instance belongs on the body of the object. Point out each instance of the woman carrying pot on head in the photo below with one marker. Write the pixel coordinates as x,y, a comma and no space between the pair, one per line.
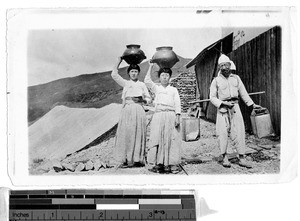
164,150
130,139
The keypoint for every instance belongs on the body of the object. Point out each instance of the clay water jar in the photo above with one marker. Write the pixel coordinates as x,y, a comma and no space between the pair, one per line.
165,57
133,54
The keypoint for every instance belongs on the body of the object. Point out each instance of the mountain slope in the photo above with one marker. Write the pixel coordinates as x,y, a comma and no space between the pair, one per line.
87,90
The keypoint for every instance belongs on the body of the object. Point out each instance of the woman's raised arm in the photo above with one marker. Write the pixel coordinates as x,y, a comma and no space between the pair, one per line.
115,74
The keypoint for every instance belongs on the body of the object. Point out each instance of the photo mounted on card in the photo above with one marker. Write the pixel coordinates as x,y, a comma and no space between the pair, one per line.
151,96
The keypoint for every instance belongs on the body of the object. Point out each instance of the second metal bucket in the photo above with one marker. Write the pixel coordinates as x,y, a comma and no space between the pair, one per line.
190,128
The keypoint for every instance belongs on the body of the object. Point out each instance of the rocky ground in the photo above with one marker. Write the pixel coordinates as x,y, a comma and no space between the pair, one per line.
199,157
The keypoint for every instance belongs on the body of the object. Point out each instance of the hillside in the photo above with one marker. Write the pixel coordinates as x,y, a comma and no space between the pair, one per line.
84,91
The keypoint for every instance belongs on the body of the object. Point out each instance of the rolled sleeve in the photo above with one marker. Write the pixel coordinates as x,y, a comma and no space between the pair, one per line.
213,94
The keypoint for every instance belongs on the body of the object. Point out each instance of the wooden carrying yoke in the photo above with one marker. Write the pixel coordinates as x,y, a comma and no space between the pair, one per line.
206,100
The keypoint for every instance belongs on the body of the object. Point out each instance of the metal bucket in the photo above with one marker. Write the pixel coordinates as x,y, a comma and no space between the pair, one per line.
190,128
261,122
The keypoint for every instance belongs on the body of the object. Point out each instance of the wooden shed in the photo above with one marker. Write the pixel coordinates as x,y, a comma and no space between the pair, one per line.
258,63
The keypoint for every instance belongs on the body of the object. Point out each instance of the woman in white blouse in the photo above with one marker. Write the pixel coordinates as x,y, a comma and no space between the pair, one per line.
164,150
130,139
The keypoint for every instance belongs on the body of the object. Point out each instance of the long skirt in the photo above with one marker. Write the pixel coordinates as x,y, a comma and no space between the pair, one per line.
165,140
130,139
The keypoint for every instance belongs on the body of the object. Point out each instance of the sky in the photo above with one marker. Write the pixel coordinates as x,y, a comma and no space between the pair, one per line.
54,54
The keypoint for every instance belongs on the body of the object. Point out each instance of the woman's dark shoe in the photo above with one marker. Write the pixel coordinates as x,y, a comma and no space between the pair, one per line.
167,169
138,164
157,169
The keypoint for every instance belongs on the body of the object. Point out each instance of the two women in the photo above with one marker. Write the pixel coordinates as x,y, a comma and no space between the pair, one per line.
165,139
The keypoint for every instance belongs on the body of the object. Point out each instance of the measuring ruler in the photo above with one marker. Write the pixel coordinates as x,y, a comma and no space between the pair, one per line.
60,205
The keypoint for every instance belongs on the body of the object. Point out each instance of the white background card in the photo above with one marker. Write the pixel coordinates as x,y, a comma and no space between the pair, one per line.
247,202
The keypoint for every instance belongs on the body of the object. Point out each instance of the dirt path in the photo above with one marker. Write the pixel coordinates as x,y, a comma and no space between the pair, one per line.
264,161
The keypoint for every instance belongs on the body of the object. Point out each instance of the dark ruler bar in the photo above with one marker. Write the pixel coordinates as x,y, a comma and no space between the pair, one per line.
52,207
113,196
170,196
75,196
166,196
187,196
28,192
19,192
37,196
94,196
132,196
78,207
116,201
33,207
188,203
152,196
29,201
18,196
56,196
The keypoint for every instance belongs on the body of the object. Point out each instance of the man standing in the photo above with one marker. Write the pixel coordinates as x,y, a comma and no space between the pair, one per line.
225,91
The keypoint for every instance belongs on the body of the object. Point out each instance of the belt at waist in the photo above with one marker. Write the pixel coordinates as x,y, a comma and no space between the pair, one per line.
129,100
164,110
225,109
235,99
163,107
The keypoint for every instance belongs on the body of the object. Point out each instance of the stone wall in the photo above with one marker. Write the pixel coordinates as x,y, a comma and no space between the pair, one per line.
187,87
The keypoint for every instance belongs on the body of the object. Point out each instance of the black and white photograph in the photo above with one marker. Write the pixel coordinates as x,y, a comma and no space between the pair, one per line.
165,112
98,104
186,99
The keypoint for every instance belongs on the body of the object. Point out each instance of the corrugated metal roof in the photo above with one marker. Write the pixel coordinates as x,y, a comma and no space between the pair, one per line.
200,56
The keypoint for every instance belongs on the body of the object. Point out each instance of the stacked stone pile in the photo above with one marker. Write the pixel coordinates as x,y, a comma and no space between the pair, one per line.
186,85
